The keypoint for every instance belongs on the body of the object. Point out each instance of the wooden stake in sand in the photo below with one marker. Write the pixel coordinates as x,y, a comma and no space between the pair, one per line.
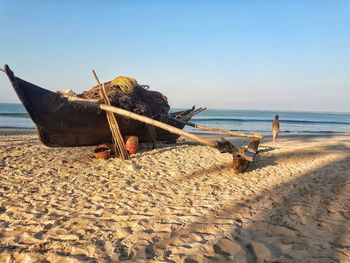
118,140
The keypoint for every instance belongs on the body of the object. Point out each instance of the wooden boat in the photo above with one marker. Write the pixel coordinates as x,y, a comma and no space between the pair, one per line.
64,122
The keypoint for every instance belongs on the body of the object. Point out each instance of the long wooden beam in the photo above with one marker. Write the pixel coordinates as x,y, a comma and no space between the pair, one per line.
206,128
158,124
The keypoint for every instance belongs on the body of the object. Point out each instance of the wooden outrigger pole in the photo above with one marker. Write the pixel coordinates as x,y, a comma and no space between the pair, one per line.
241,157
218,130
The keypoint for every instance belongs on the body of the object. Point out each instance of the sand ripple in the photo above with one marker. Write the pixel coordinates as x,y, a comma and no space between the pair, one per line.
175,204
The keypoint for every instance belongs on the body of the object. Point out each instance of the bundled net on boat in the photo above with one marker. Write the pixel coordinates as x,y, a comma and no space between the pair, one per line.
136,99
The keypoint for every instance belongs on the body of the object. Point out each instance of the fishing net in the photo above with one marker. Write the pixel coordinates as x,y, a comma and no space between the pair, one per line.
141,101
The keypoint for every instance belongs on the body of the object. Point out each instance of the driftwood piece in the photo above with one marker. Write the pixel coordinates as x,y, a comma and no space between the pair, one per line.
242,159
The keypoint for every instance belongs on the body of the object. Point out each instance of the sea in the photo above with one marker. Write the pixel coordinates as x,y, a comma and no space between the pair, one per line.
14,116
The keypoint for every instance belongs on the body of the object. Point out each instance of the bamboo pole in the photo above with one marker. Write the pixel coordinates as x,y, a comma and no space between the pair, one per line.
158,124
166,126
113,124
206,128
240,157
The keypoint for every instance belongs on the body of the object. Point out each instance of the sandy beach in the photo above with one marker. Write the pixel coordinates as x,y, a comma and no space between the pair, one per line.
177,203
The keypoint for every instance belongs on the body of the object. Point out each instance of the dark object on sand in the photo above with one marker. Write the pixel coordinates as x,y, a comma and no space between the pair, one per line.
242,159
103,151
61,121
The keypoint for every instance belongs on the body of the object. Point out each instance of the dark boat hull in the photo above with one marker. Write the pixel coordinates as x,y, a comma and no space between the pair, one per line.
61,122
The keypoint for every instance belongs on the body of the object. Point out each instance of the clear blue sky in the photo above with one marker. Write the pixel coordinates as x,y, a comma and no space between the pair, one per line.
280,55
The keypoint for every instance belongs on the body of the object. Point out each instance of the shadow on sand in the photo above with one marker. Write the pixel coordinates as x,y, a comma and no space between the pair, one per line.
303,219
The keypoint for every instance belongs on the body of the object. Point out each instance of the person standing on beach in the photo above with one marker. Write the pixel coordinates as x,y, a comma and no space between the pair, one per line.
275,128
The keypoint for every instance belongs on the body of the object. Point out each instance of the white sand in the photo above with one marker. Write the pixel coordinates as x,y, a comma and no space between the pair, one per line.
175,204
